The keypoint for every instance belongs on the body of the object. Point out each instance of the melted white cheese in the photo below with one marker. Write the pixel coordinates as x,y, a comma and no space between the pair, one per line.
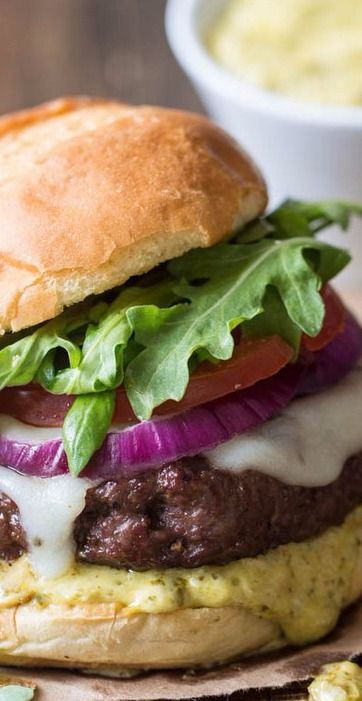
48,508
25,433
308,443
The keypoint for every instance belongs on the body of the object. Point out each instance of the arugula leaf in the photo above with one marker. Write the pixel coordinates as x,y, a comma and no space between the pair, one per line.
101,365
293,217
20,361
274,320
256,230
237,278
85,428
93,364
16,692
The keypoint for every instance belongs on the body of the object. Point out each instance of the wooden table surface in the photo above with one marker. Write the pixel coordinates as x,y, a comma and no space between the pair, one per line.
101,47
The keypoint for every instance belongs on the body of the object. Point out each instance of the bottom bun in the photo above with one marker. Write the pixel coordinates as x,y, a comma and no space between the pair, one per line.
94,635
99,637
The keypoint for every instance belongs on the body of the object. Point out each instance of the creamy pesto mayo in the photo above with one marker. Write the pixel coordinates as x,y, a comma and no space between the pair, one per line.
338,681
310,50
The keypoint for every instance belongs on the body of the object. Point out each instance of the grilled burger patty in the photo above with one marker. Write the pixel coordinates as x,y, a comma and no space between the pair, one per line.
187,514
12,535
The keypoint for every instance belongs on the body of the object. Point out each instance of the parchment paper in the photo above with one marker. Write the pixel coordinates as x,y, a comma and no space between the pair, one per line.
275,676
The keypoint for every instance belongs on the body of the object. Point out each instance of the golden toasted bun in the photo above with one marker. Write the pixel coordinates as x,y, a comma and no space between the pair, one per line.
93,192
96,636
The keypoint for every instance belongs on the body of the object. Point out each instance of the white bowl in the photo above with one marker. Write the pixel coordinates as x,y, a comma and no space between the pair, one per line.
305,150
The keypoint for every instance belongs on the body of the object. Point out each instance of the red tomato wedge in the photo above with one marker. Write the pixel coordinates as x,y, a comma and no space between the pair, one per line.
34,405
254,359
333,323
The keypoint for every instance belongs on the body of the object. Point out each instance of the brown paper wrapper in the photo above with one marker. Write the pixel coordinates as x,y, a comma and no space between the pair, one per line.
282,675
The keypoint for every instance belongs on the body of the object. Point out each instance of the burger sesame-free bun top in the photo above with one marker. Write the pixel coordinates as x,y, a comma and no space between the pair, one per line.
95,191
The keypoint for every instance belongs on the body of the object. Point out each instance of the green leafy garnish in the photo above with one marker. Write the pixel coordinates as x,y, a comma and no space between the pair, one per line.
85,427
294,218
20,361
237,278
274,320
318,215
151,337
100,365
16,692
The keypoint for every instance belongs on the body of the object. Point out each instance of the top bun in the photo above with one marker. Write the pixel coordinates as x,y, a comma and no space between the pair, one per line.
95,191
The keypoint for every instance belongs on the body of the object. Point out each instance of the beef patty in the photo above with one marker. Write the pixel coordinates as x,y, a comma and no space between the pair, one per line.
12,536
186,514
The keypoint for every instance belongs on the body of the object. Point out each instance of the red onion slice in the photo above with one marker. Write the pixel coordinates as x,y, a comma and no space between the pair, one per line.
155,442
335,360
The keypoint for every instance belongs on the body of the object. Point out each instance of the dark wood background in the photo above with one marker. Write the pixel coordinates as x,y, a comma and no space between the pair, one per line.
99,47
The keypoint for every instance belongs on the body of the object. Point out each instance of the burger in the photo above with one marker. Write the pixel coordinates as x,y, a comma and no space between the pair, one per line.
181,398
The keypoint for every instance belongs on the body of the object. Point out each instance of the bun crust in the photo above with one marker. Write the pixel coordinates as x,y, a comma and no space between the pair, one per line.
96,636
93,192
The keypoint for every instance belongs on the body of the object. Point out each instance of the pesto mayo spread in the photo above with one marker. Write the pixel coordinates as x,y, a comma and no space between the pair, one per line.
309,50
339,681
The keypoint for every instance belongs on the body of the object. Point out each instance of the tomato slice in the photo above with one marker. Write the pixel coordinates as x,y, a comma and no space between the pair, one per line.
254,359
333,323
34,405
